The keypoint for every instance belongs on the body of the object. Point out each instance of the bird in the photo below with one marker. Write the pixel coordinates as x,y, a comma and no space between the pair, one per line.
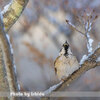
66,63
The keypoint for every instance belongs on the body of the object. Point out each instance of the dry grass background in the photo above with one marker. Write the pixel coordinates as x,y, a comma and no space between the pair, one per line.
37,38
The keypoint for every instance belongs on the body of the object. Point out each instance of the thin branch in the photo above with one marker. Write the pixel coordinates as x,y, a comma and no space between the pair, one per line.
88,27
53,88
88,23
73,26
12,12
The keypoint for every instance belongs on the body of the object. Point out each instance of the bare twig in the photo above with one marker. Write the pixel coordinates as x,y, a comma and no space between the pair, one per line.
88,27
73,26
53,88
88,23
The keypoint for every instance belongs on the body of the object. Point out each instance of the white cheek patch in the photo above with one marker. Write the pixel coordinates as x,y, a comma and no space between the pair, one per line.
62,52
69,51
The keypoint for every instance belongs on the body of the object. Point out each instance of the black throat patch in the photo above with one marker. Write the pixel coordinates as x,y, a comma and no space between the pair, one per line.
66,49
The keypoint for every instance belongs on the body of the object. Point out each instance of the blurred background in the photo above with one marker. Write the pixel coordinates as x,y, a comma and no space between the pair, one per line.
37,38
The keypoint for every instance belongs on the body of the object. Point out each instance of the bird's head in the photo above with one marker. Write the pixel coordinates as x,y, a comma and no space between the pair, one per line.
65,49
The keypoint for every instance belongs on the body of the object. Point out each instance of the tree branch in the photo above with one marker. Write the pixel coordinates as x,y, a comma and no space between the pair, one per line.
12,12
7,63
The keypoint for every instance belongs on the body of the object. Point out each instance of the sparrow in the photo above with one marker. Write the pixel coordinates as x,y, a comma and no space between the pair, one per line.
66,63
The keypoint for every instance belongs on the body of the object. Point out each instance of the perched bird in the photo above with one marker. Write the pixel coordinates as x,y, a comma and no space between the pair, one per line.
65,64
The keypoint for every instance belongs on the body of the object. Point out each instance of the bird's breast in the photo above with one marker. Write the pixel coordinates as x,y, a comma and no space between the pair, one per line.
66,65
